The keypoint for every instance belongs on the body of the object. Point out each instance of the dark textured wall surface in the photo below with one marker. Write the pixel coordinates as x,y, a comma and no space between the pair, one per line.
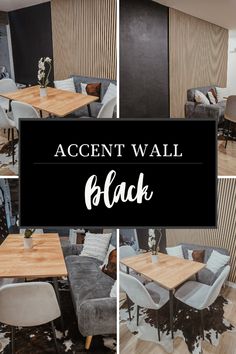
31,32
144,59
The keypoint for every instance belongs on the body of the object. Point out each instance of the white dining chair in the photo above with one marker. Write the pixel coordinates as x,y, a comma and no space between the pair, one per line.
150,296
6,85
27,305
200,296
128,251
9,124
107,109
23,110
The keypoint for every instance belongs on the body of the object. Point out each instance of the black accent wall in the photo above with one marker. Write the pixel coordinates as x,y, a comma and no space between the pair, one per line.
144,59
31,32
143,240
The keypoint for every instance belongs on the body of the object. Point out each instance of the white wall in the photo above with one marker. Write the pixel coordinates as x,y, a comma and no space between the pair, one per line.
231,76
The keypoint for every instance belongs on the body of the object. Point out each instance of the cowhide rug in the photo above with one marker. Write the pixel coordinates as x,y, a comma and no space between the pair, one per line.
187,325
39,340
6,156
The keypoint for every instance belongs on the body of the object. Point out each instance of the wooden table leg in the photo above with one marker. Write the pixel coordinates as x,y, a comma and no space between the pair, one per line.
88,342
171,312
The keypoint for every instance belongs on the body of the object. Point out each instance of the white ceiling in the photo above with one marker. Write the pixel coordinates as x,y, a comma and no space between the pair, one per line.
10,5
219,12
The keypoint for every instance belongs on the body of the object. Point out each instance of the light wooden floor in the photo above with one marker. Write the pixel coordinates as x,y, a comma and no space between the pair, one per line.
227,159
129,344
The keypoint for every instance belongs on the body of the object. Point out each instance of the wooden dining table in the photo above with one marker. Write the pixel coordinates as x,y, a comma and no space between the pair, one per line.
169,272
58,103
44,260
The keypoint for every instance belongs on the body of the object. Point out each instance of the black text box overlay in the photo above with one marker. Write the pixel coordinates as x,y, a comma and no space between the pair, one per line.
177,190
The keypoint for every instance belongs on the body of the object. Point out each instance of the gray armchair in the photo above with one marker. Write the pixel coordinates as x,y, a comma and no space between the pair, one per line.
197,110
205,276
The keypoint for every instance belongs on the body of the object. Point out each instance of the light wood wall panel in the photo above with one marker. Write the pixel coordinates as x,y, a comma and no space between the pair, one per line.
84,38
198,57
224,235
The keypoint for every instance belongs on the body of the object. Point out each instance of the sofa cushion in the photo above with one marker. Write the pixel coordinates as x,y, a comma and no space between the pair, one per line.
96,245
88,80
205,276
87,281
175,251
208,250
93,89
110,268
196,255
201,98
204,90
212,96
217,261
67,85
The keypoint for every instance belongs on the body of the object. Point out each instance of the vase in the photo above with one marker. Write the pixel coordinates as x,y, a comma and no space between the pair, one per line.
28,243
154,258
43,91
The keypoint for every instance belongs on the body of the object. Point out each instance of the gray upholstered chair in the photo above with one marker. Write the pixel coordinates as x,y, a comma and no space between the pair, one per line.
197,110
150,296
27,305
205,276
230,114
200,296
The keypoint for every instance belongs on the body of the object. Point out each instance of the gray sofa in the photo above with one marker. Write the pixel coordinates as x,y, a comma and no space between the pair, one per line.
95,106
205,276
90,291
196,110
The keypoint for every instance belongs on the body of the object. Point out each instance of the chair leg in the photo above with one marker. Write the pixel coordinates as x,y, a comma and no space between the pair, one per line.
202,323
8,134
157,325
54,337
12,142
88,342
138,314
227,136
12,340
128,303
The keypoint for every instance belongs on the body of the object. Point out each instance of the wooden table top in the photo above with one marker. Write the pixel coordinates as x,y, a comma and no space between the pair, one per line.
169,271
57,102
45,259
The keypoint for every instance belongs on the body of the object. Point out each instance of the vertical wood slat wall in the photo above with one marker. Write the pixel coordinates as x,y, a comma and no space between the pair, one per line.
198,57
84,38
224,235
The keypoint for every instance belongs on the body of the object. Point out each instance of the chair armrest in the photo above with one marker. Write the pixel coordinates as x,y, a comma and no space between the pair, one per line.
97,316
189,109
71,250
